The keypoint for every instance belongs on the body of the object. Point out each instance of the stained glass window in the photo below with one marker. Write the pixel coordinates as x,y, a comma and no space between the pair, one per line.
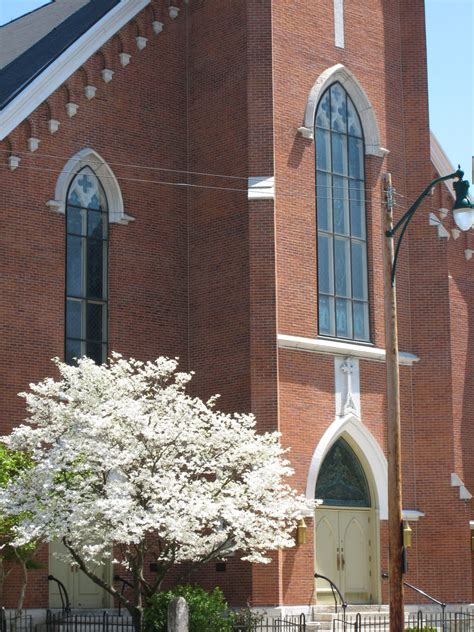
86,268
343,300
341,479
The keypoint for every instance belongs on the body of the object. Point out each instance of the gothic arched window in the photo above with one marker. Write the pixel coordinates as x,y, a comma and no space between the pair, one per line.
343,297
341,479
86,268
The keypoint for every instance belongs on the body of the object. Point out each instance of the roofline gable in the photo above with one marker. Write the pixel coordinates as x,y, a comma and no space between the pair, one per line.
67,63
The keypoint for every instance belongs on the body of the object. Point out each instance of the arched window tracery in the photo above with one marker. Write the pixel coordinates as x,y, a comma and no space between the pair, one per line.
87,222
343,300
341,479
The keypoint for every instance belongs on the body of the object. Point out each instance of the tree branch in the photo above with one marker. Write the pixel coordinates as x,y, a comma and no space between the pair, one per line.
97,580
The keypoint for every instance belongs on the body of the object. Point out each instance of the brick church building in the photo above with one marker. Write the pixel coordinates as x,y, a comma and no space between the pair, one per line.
203,179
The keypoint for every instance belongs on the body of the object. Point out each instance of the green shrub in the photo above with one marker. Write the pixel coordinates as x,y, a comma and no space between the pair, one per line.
208,612
246,620
423,629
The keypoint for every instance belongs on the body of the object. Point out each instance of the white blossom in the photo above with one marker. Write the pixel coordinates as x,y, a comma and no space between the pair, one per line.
124,456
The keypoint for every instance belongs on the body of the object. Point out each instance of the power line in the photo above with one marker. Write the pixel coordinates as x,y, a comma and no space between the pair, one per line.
142,180
189,185
181,184
131,165
180,171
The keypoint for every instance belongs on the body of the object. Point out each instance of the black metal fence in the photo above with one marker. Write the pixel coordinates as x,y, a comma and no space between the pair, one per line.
71,622
13,621
415,622
289,623
62,621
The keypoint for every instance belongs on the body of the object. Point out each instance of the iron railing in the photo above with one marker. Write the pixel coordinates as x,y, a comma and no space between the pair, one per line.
125,584
65,601
102,622
335,591
14,621
445,622
414,622
424,594
289,623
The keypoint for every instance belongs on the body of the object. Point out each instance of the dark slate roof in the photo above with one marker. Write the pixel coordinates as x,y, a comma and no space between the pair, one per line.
61,30
18,35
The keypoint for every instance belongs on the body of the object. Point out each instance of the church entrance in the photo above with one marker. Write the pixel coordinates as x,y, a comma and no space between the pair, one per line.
82,591
345,528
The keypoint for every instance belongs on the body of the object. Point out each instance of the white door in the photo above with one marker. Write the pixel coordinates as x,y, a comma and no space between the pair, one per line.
82,591
344,554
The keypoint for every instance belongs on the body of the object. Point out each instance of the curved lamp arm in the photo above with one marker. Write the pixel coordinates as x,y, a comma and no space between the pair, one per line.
406,218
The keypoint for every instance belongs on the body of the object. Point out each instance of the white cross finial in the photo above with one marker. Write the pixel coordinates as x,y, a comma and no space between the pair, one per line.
348,404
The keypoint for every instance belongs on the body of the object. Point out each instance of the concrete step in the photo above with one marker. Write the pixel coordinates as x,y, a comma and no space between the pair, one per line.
353,608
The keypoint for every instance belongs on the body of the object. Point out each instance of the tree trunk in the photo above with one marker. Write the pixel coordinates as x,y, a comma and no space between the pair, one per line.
137,618
24,583
2,577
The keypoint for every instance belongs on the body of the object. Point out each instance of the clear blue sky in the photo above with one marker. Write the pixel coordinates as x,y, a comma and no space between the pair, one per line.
450,31
11,9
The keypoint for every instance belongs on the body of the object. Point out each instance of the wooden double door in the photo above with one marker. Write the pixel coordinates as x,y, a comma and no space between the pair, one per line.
344,542
82,591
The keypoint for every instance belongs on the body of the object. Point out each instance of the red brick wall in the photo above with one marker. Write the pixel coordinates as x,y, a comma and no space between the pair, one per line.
137,119
384,50
208,276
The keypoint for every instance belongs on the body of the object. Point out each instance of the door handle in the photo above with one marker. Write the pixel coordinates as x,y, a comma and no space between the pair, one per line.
338,560
343,561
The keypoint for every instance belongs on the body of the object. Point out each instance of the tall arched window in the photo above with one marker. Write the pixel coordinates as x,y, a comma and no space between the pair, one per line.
86,268
343,300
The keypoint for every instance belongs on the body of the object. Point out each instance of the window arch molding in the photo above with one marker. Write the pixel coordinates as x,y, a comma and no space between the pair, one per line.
339,73
88,157
367,449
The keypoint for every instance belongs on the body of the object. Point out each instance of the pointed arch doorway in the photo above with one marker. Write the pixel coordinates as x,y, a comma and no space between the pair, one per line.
346,528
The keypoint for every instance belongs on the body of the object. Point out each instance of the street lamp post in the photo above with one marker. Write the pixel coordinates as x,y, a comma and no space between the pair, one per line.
463,212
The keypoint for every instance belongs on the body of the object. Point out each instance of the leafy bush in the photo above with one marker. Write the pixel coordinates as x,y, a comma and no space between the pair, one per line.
207,611
246,620
423,629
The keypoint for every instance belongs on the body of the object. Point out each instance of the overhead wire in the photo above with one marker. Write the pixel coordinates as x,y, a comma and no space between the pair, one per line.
177,184
126,164
36,155
200,186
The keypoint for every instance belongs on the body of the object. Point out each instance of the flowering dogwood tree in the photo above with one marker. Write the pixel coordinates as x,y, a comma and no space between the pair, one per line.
125,460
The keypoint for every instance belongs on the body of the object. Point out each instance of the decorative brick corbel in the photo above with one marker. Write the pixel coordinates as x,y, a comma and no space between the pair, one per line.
141,42
53,125
124,59
173,12
13,162
71,109
107,75
33,143
89,92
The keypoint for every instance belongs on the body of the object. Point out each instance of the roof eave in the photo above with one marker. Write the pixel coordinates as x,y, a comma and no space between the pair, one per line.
65,65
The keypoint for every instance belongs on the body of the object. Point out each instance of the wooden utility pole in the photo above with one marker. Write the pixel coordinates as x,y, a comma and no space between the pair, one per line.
395,531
